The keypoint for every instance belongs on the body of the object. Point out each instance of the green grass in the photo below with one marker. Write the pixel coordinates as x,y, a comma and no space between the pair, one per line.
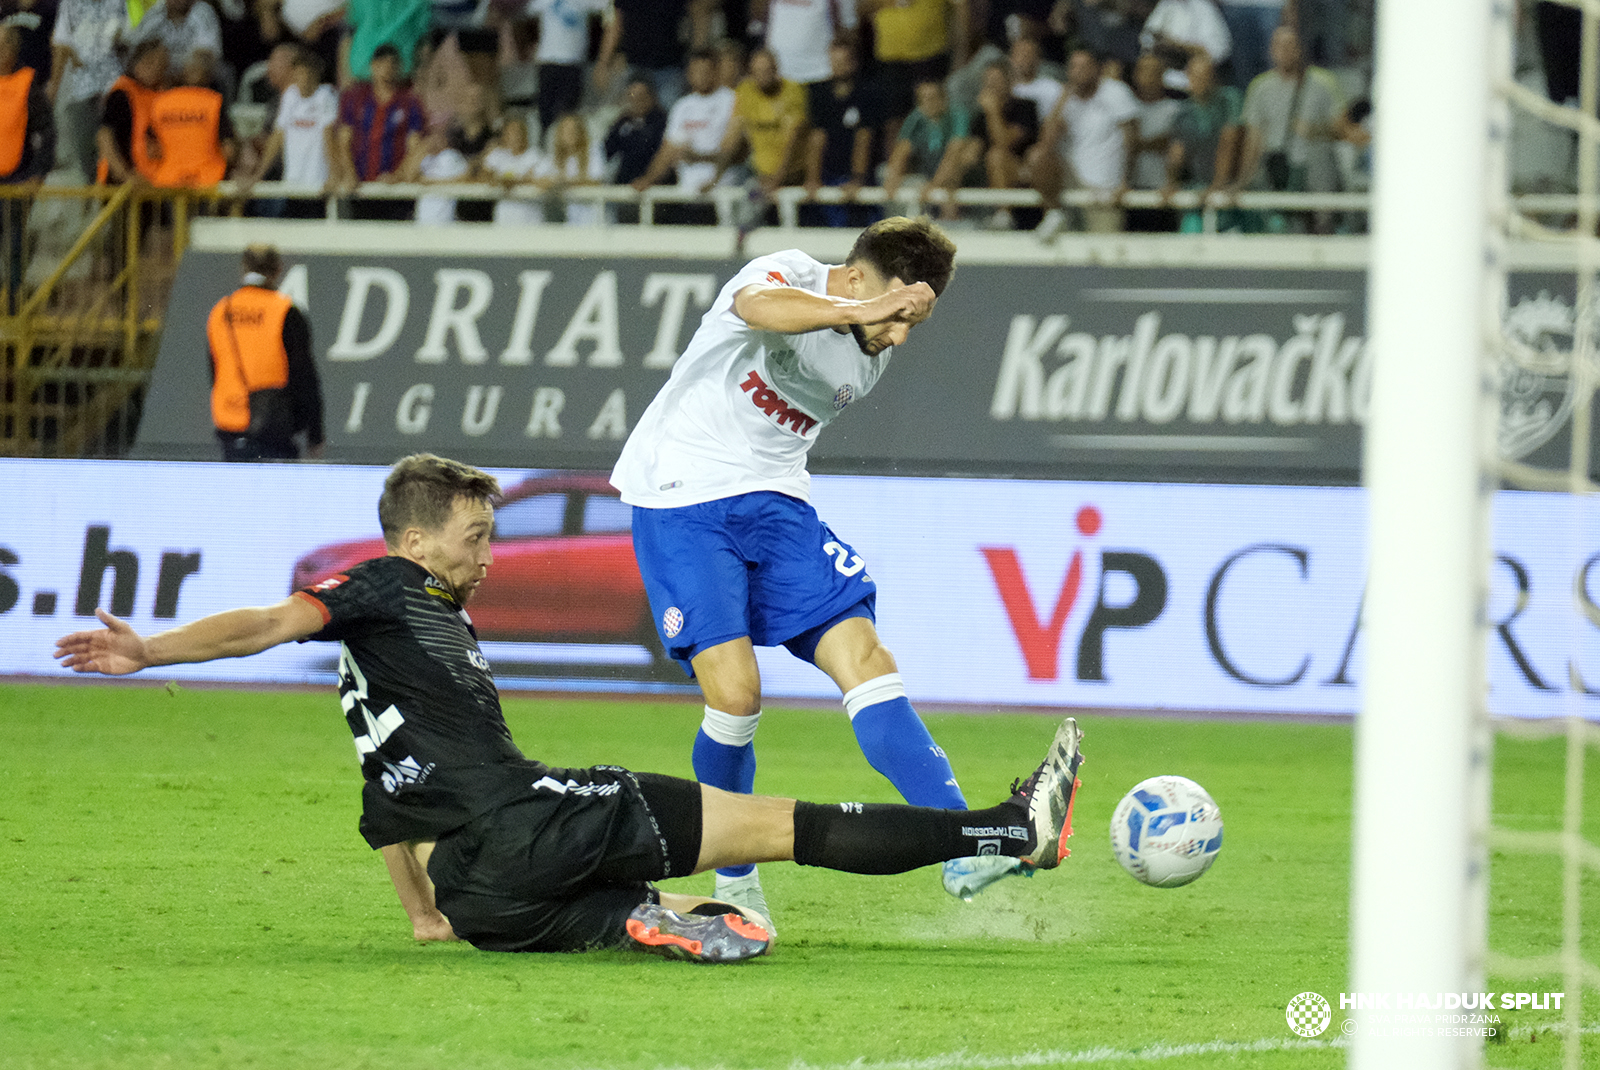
183,886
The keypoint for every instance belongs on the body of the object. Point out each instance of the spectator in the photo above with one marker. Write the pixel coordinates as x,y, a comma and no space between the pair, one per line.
1292,115
439,162
1205,141
934,141
731,66
189,29
914,41
1009,21
769,115
253,35
513,162
123,137
84,69
1156,114
1029,80
1108,28
651,38
1005,127
264,388
35,22
317,24
1178,29
573,161
563,50
374,24
800,32
635,137
844,117
379,134
302,133
1088,143
471,132
1250,26
695,129
27,151
191,127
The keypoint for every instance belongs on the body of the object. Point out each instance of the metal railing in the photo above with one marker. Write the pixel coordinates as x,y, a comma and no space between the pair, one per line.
78,344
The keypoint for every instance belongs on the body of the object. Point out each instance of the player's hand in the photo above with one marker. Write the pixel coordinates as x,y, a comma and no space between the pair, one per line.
114,650
908,304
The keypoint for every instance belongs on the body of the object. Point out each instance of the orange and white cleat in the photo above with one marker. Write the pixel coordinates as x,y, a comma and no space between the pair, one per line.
696,937
1049,794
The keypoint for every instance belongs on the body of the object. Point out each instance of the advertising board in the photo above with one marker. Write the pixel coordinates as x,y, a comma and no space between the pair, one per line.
991,592
1105,371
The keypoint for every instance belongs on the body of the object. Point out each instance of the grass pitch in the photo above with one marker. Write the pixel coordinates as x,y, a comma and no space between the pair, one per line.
184,886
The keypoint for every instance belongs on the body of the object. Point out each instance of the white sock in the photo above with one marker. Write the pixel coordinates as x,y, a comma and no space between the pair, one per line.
878,689
729,730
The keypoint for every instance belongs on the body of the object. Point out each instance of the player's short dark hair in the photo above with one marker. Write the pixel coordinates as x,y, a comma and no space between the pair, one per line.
422,489
911,250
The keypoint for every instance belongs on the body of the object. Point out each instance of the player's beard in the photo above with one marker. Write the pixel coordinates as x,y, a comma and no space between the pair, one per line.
865,344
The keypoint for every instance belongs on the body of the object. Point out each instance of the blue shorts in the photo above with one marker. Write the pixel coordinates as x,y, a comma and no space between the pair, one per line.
762,565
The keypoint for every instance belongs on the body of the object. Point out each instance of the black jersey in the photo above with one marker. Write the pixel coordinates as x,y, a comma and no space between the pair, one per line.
420,699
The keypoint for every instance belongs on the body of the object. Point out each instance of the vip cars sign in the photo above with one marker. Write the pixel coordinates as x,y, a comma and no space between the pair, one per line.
991,592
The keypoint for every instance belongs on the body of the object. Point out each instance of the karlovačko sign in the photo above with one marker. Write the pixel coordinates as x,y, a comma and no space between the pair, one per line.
1064,371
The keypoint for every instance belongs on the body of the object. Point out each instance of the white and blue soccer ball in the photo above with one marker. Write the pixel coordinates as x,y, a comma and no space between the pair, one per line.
1166,831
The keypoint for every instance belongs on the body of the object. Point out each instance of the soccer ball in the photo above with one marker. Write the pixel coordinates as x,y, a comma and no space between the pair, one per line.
1166,831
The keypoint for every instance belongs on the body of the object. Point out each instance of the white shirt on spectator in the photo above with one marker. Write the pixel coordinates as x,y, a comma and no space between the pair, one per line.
1193,22
298,15
1044,91
697,122
434,209
304,121
199,30
564,28
1094,145
90,28
580,213
1155,121
799,33
503,164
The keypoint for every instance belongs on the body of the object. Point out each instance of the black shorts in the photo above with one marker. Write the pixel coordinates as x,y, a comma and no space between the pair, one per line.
561,868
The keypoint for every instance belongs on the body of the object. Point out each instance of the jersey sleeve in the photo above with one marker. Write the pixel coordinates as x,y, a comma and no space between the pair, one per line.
348,602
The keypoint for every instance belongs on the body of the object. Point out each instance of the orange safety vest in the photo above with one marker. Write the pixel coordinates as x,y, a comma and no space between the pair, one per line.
186,120
14,90
140,98
245,331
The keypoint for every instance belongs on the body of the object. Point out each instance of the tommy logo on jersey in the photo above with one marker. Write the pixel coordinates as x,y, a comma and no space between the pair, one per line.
771,402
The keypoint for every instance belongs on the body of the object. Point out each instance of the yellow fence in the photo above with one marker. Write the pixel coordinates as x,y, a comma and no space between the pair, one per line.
84,278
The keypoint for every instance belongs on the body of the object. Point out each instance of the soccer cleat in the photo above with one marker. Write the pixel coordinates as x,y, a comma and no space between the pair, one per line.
696,937
966,877
745,893
1048,794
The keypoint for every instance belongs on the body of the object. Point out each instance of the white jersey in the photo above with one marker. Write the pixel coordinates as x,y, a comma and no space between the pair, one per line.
742,406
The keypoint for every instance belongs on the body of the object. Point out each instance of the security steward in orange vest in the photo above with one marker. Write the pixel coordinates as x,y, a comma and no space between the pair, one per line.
27,148
124,138
264,386
192,130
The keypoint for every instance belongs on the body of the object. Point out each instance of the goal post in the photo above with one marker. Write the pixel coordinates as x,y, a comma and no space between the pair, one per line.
1418,912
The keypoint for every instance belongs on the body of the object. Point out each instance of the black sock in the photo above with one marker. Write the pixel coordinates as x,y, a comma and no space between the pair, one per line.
882,838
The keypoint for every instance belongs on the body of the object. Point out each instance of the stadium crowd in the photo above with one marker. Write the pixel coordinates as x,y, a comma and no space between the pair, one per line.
543,95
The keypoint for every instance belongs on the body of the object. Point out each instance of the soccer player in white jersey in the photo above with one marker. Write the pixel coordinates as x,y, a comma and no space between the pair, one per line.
732,553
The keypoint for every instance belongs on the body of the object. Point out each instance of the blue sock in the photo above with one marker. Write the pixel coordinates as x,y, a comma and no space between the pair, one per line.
897,744
725,757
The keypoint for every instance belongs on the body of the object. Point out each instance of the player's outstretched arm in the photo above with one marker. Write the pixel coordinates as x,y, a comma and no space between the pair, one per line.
790,310
117,649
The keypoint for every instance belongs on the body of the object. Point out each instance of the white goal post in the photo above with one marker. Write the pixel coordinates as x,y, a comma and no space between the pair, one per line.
1422,741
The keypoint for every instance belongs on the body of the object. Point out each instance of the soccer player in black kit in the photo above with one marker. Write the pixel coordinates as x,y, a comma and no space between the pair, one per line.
512,854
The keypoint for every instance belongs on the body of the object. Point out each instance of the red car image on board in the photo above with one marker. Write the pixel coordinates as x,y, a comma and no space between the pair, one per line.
563,570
